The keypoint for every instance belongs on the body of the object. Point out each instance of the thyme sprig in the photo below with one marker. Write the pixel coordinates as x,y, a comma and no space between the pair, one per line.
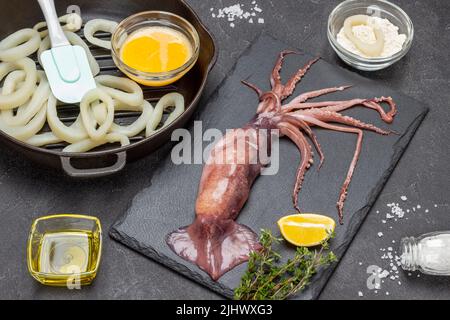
267,278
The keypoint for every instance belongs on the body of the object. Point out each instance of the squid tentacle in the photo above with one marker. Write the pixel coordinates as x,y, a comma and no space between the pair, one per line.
344,189
317,93
303,125
337,117
306,154
275,79
292,83
258,91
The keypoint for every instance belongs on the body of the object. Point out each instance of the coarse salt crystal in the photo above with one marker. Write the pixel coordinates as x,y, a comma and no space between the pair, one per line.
380,234
404,198
360,294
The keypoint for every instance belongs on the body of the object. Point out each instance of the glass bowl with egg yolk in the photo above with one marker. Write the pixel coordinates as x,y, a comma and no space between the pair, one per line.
155,48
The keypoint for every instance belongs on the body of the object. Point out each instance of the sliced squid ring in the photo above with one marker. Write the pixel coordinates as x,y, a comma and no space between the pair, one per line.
21,95
96,25
88,144
19,45
23,133
75,133
12,81
89,123
71,22
169,100
139,125
75,40
26,112
124,90
43,139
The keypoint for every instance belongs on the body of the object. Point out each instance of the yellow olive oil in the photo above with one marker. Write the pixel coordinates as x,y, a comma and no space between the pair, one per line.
67,257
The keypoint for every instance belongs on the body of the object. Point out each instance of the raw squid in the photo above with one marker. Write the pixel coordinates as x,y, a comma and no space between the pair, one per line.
19,45
26,112
70,22
125,90
25,132
96,25
89,124
139,125
88,144
22,94
169,100
75,133
215,242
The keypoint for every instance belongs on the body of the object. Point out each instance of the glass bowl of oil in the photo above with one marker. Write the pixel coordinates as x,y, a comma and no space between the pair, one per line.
65,250
155,48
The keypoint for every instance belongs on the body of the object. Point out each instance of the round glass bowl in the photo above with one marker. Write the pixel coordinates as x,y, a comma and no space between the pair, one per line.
378,8
154,19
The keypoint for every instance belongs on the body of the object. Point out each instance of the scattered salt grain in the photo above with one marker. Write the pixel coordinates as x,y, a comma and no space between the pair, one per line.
238,11
427,211
419,206
360,294
380,234
435,205
404,198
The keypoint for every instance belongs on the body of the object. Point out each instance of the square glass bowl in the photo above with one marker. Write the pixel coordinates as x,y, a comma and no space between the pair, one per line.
64,250
378,8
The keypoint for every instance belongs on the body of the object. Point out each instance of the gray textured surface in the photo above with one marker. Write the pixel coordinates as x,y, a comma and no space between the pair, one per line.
28,191
169,202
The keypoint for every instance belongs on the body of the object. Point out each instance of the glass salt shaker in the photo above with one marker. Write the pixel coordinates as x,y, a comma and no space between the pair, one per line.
429,254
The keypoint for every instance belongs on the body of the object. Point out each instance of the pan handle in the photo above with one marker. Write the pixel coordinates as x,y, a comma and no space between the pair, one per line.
96,172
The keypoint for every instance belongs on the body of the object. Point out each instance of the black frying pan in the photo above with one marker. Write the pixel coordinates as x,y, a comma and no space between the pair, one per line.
20,14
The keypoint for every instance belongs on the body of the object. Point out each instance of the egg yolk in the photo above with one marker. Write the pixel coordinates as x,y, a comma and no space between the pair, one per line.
156,49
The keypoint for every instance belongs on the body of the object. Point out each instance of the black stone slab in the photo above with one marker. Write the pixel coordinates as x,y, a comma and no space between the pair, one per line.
168,202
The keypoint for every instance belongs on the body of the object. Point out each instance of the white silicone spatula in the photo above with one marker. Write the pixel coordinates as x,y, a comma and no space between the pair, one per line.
66,66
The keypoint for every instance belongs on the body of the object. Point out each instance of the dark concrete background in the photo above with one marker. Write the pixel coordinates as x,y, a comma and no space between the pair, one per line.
28,191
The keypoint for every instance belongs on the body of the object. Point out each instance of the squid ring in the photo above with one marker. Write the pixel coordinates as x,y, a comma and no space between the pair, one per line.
43,139
32,107
19,45
11,82
72,134
23,133
124,90
86,113
88,144
72,22
75,40
139,125
20,96
169,100
96,25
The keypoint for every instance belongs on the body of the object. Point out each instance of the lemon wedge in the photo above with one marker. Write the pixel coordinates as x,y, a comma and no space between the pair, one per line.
306,230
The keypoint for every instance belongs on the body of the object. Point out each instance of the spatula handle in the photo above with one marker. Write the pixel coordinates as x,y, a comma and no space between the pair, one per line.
57,36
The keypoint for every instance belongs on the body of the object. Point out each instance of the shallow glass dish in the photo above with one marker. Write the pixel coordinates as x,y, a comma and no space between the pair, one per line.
152,19
378,8
65,250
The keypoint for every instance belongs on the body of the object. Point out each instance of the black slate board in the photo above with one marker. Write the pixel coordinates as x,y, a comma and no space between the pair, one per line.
168,202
